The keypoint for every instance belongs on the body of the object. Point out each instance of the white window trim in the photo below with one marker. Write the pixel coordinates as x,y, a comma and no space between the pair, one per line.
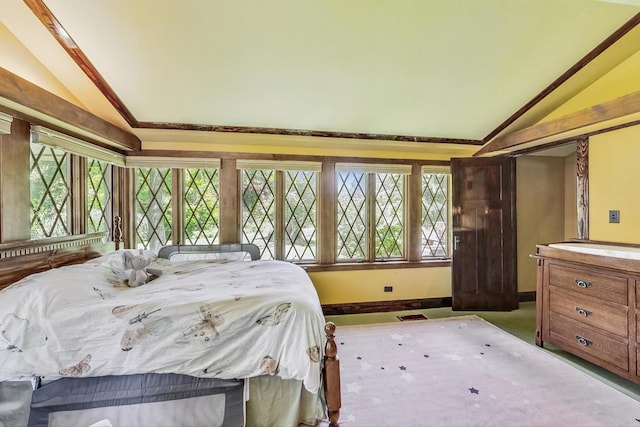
436,169
5,123
373,168
54,139
281,165
171,162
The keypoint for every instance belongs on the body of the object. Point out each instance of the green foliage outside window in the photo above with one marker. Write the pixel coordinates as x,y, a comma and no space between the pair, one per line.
300,215
153,215
259,210
201,206
98,196
435,204
354,215
389,235
49,192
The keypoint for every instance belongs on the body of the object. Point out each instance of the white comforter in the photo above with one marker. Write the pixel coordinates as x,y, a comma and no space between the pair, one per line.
219,319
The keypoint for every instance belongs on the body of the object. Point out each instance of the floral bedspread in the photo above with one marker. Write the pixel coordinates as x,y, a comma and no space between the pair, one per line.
223,319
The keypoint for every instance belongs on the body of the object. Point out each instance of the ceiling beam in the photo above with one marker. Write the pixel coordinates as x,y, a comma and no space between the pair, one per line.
40,106
614,113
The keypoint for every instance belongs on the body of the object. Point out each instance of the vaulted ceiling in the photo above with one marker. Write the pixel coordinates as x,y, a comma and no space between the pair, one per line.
431,70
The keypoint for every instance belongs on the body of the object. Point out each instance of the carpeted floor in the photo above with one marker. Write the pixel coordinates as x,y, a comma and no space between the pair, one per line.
466,372
520,322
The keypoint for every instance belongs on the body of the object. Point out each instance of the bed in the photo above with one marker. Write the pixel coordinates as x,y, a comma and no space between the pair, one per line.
199,340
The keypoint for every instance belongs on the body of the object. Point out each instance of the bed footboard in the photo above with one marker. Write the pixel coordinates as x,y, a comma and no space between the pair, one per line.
331,373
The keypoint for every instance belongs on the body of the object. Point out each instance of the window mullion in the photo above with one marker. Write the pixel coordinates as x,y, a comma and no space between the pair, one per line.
279,229
77,209
413,229
177,201
371,217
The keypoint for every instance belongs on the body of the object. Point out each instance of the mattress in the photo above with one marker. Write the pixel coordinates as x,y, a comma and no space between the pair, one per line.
209,319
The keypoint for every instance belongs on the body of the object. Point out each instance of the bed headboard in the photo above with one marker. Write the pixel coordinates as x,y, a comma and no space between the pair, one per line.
235,248
18,259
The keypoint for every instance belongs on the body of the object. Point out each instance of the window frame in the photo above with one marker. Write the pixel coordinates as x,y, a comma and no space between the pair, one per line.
280,171
448,235
229,201
64,215
371,173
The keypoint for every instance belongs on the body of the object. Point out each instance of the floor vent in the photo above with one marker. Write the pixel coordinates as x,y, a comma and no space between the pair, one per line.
412,317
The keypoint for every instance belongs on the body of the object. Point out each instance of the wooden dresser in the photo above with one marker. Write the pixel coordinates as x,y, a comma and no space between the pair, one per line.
589,305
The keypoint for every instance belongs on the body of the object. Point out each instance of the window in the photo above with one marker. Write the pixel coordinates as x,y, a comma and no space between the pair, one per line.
98,196
177,204
279,208
55,158
153,213
352,216
300,215
201,206
49,192
370,211
435,213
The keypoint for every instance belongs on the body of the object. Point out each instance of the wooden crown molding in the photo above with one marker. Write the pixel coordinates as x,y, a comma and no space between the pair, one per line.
302,132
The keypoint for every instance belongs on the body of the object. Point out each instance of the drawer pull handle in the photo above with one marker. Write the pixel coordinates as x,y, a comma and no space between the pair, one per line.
583,283
582,312
583,341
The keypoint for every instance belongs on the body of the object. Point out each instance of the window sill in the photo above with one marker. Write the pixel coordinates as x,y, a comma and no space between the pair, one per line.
378,265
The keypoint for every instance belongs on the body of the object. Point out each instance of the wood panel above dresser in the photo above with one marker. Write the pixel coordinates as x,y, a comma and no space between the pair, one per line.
588,303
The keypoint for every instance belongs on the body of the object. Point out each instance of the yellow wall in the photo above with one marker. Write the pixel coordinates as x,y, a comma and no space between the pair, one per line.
368,285
540,210
613,185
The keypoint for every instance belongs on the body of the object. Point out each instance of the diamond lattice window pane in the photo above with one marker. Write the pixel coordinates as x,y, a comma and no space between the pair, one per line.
389,220
300,216
435,215
259,210
98,196
50,193
201,206
352,214
153,208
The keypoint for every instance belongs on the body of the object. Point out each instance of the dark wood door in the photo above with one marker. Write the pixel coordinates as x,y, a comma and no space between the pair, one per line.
484,269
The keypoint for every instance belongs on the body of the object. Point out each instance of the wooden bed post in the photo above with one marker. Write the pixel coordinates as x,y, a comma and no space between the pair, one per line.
117,231
332,375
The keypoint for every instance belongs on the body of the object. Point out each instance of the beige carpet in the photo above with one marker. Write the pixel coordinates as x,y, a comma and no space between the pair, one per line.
463,371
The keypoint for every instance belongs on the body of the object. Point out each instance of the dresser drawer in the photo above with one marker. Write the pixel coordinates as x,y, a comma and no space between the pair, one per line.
584,341
601,286
583,309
